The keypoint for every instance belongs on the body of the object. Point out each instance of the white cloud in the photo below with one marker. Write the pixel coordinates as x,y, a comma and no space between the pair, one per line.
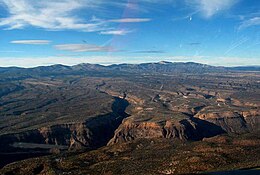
115,32
83,48
58,15
250,22
48,14
34,42
209,8
130,20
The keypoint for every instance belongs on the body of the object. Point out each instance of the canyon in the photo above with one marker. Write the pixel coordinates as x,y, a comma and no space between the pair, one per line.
60,109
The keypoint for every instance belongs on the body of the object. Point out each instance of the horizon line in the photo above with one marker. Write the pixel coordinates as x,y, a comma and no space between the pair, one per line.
111,64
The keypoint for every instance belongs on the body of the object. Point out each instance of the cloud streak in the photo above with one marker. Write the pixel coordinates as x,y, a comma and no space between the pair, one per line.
130,20
250,22
83,48
31,42
237,44
115,32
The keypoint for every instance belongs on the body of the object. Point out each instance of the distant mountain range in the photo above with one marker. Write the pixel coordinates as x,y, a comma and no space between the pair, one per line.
96,69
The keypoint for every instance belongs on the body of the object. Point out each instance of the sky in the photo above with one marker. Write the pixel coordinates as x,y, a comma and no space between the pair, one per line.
45,32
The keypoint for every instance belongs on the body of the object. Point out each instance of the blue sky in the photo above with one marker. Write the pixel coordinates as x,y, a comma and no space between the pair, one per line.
45,32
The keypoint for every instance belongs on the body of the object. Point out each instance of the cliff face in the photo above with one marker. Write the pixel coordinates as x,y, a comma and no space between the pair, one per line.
73,135
202,125
90,134
129,130
185,129
233,122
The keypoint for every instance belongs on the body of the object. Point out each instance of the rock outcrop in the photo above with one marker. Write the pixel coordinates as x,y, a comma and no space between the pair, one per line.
233,122
184,129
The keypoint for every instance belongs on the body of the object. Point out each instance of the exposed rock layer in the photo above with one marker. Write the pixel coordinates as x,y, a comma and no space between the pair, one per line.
233,122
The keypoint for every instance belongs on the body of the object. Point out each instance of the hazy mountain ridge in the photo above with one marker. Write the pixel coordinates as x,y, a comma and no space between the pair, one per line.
160,67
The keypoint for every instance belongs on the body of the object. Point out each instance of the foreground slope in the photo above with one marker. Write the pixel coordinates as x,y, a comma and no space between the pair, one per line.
152,156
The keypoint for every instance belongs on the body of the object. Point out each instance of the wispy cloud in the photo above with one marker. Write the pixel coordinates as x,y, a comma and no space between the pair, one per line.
130,20
51,15
58,15
209,8
33,42
250,22
115,32
83,48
